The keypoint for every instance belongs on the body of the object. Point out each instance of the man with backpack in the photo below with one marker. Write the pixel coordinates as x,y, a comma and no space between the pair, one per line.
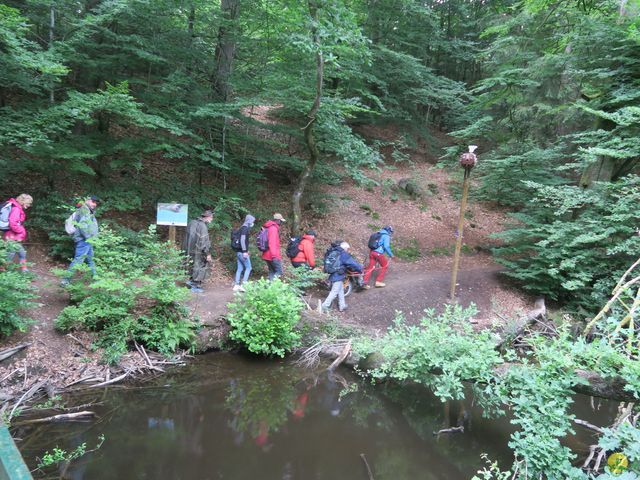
240,243
337,262
269,245
197,246
301,251
379,244
12,218
82,226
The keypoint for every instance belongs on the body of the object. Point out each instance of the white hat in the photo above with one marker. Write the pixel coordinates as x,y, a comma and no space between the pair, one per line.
345,246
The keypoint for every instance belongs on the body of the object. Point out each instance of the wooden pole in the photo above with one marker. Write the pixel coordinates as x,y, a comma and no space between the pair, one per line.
456,255
172,233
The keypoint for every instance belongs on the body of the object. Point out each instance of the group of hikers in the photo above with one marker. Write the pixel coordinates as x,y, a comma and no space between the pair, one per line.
338,263
81,226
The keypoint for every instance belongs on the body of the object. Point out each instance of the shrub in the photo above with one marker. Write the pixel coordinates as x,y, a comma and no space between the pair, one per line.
135,295
299,279
263,318
15,293
574,243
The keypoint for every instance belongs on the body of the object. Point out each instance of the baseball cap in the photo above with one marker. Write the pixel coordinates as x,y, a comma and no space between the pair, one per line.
93,198
312,233
277,216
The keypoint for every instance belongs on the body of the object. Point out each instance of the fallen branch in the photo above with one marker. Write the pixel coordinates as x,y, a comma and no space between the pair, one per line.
12,351
459,429
63,417
345,352
523,323
366,464
78,341
27,395
588,425
109,382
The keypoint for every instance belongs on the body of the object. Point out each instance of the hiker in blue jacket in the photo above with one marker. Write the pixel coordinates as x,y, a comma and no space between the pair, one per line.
377,256
347,264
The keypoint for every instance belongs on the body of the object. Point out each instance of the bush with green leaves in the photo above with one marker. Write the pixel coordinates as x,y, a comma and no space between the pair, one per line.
573,243
536,387
300,279
263,319
16,292
135,295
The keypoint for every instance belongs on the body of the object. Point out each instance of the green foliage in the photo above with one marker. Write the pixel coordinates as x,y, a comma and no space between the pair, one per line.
440,353
59,455
409,251
301,278
575,243
16,293
135,295
264,318
444,351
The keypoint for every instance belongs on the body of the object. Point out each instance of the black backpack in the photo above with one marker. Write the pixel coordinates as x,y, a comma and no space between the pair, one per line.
374,240
293,248
332,262
235,239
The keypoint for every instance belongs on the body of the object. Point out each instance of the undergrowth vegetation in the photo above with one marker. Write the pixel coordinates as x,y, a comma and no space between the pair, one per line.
134,297
16,293
535,384
264,318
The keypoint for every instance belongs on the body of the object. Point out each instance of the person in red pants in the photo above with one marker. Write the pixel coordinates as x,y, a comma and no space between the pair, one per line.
381,240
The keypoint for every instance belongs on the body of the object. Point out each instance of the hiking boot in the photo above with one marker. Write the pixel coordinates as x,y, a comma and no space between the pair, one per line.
236,288
380,284
366,287
241,289
342,309
195,289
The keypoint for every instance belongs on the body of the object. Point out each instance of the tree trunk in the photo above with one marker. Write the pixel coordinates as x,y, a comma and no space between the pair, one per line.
308,129
226,48
52,26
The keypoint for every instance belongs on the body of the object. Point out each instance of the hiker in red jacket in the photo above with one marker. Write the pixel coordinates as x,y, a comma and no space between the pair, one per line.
272,255
306,255
15,230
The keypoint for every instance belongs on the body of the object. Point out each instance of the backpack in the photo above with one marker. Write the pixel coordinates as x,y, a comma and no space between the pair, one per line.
293,248
262,239
374,240
332,262
5,210
70,224
235,239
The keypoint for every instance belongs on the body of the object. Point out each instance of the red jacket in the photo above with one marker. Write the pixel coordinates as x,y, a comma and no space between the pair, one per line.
17,217
306,253
273,234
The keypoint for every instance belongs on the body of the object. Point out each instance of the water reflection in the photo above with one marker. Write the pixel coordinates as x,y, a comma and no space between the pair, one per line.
226,417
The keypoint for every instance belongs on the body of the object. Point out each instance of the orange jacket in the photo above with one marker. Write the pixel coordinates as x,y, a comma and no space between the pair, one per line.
306,251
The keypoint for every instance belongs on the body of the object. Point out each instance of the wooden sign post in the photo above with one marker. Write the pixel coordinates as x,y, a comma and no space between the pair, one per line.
467,161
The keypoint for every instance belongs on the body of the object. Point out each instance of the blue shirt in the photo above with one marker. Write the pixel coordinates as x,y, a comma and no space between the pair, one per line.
385,243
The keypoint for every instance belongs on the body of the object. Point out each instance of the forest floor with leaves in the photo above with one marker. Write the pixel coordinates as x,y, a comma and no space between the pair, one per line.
424,223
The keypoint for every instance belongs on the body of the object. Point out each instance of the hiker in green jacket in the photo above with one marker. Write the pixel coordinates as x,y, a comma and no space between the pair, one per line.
197,247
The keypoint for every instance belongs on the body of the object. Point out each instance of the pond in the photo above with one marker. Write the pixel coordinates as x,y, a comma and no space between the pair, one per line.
227,416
